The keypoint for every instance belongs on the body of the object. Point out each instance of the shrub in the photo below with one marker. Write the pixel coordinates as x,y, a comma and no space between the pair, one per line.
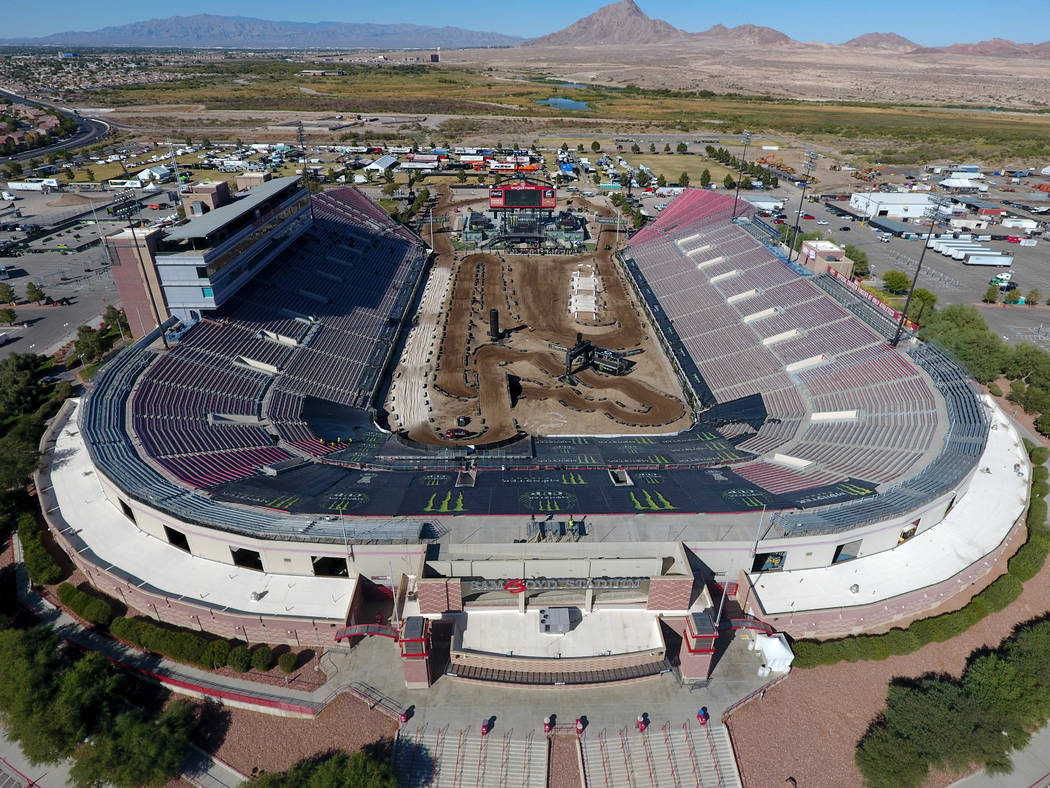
901,641
216,654
994,390
1039,455
1040,473
262,658
1040,489
288,661
92,609
1027,561
1002,592
179,645
240,658
1028,445
1036,516
40,566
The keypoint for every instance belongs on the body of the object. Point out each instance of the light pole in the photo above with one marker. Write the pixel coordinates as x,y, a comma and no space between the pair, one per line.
736,197
933,212
127,205
808,165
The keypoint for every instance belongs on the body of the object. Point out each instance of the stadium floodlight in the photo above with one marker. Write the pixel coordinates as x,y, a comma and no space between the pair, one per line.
743,156
934,212
808,165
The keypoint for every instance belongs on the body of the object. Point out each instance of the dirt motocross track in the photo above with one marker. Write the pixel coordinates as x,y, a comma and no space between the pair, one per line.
513,384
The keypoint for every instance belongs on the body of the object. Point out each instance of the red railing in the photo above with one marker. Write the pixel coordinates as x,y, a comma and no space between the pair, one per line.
15,771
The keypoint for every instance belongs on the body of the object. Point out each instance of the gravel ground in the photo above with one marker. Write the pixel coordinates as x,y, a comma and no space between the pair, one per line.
564,763
256,741
801,730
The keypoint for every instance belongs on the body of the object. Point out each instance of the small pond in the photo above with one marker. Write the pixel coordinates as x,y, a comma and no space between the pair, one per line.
563,103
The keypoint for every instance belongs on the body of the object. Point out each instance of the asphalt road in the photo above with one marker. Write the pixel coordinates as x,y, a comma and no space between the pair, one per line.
91,130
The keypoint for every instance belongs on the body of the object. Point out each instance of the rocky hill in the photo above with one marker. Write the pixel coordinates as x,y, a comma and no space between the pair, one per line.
622,23
888,41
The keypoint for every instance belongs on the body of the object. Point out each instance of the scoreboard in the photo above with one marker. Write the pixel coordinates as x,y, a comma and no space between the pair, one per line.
523,196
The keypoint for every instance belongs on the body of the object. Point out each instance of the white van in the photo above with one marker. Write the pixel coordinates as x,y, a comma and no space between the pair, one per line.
7,195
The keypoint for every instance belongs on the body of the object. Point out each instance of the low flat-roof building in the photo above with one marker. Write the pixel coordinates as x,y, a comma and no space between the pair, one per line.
901,204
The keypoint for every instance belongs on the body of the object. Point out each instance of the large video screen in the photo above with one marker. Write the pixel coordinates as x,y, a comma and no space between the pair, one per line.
528,197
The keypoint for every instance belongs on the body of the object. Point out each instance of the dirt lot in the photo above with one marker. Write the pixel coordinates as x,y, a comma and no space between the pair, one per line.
513,383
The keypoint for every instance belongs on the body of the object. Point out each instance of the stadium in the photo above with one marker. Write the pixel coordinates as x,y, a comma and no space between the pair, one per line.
300,455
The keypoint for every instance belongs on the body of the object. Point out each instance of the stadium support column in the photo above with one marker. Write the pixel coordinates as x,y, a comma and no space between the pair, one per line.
698,647
743,156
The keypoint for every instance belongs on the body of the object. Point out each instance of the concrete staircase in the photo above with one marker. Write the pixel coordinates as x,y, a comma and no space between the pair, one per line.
666,756
446,758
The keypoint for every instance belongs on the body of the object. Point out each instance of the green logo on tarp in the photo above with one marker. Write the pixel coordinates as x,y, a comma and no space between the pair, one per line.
572,479
342,502
854,489
549,501
287,502
747,498
645,501
435,479
445,504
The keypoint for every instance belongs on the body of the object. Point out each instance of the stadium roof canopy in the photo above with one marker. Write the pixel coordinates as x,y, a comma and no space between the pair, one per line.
203,226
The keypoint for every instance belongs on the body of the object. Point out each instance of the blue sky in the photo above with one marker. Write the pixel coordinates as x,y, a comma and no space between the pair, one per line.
929,23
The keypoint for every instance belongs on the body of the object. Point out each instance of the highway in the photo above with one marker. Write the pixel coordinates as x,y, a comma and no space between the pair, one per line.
91,130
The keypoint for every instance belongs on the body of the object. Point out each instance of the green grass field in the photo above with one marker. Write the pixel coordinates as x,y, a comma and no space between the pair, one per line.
864,130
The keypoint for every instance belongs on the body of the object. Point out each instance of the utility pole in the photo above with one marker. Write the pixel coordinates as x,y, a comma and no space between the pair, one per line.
808,165
747,139
933,212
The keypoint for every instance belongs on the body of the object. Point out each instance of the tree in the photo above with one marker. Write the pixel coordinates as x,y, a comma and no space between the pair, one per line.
705,178
564,146
579,148
90,175
745,183
921,301
861,269
661,181
683,179
667,148
362,769
114,318
89,343
461,176
34,293
652,147
262,658
1033,297
8,315
681,147
728,181
136,750
389,188
895,281
963,332
991,295
596,178
596,146
643,178
635,148
1012,297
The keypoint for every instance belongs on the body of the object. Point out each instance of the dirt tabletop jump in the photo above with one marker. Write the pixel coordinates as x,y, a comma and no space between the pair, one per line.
453,375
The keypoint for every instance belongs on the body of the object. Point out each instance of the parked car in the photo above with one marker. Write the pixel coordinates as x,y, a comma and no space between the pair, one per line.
809,216
822,221
845,228
456,433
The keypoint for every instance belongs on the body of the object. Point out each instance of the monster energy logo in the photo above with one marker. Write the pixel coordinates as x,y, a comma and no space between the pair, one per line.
586,459
572,478
749,498
645,501
341,502
657,459
649,477
644,440
287,502
549,501
435,479
445,504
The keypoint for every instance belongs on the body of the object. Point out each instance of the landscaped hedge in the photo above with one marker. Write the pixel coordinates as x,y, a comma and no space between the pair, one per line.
179,645
240,659
1023,566
262,658
92,609
288,661
40,566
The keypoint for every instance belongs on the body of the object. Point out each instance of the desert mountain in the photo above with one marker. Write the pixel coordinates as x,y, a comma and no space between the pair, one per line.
622,23
752,35
994,47
888,41
209,30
